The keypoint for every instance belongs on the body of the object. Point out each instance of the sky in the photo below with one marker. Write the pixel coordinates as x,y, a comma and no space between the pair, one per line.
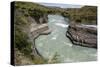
62,5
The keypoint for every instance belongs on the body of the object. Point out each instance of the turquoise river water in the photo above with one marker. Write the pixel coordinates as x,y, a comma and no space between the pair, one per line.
57,43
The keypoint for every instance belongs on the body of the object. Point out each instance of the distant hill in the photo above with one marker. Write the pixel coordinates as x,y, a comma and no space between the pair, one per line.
86,14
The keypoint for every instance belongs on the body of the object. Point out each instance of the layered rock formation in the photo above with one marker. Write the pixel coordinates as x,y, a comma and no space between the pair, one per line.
37,29
83,35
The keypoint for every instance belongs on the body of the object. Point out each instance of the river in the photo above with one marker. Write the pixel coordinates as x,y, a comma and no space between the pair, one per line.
57,45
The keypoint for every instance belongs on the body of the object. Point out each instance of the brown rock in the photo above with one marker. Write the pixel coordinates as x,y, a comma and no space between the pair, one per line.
83,35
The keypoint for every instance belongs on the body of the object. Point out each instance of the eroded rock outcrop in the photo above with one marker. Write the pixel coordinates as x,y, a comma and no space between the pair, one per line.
83,35
37,29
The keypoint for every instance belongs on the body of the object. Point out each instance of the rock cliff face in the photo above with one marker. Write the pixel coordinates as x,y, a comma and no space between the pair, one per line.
37,27
35,31
83,35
